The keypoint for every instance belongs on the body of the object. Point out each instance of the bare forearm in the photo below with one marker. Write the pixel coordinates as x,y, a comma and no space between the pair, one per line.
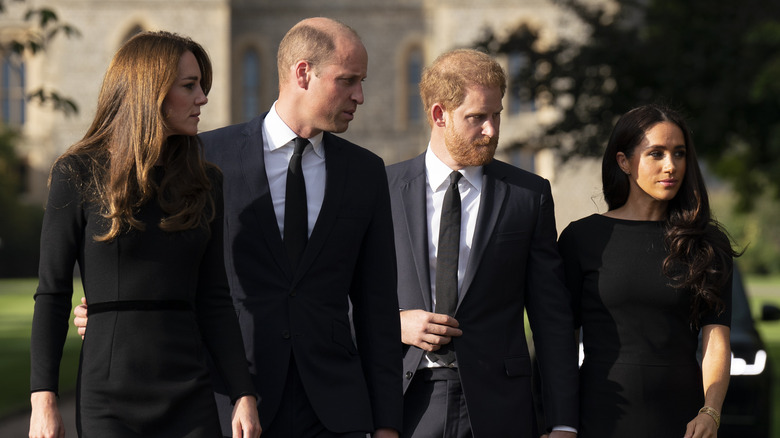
716,365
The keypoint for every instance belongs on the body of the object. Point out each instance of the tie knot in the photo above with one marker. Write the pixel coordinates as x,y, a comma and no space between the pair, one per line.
300,145
455,177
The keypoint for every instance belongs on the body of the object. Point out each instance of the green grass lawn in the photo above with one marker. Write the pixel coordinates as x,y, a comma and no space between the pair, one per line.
16,307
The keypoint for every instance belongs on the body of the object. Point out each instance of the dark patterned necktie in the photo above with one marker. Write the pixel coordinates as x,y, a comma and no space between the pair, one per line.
296,228
447,260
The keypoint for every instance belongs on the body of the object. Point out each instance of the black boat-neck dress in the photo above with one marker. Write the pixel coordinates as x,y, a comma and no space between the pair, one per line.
158,302
640,376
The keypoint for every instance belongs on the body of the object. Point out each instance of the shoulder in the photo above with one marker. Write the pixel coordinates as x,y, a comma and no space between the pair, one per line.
336,146
220,136
584,227
72,169
406,170
514,176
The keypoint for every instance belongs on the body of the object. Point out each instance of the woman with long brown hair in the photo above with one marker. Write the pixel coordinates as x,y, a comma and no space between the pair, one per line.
647,277
140,211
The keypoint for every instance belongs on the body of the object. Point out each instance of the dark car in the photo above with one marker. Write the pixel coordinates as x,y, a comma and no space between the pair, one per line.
747,410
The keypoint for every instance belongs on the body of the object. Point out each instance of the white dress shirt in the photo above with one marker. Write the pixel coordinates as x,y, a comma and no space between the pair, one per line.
278,144
470,188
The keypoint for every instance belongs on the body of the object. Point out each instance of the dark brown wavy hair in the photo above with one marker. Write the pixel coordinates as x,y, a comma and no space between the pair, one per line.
700,250
127,138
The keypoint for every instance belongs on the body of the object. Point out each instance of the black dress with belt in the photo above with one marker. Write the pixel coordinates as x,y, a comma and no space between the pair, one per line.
640,376
159,302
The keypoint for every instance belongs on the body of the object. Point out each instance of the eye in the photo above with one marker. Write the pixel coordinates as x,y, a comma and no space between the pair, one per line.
189,86
656,154
680,153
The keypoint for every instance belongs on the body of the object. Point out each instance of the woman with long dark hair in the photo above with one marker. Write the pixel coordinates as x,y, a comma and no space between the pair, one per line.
140,211
647,277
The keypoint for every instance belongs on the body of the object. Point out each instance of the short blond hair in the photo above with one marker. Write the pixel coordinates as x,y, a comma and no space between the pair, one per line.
310,40
445,81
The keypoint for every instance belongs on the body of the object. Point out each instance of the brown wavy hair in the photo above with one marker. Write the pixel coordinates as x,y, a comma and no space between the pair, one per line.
126,139
700,251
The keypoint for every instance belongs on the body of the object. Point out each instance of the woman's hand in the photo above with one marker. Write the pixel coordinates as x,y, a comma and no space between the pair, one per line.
245,421
45,418
703,426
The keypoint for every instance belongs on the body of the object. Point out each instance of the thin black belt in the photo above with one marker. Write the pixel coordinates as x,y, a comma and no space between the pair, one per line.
118,306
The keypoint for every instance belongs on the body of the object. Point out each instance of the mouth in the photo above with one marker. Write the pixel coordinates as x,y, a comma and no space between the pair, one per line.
671,182
349,114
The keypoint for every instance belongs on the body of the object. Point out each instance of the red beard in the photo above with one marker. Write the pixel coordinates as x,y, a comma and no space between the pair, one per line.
470,152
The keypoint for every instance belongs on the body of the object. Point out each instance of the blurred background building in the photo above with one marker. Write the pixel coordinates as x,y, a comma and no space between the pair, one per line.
241,36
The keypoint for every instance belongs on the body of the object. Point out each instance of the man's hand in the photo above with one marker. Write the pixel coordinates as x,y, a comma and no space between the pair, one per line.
426,330
385,433
80,321
245,422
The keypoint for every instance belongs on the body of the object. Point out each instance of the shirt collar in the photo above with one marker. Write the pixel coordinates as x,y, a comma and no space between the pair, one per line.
278,134
438,173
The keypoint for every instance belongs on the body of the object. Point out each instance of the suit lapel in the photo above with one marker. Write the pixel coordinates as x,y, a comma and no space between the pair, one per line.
256,179
494,192
336,165
413,196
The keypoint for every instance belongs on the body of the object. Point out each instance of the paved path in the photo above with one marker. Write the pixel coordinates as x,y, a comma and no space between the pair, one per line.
18,425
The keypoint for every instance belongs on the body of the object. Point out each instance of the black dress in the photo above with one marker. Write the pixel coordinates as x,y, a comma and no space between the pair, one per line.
158,302
640,376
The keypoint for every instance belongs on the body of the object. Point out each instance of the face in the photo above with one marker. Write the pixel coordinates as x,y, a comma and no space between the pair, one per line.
181,107
336,89
471,131
657,167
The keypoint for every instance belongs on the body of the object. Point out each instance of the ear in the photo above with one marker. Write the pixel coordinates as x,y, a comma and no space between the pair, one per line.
301,71
623,162
438,115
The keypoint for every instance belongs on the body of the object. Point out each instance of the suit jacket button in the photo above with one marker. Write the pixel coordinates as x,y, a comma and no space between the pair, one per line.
292,293
286,334
409,375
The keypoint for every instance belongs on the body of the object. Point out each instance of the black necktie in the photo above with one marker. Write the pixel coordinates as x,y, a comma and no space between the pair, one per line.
296,229
447,259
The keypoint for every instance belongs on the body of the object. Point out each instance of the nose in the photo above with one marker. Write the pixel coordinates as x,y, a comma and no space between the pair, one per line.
357,94
669,165
490,128
201,100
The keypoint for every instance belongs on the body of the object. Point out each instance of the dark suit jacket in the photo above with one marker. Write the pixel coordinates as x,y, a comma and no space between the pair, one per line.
304,313
513,265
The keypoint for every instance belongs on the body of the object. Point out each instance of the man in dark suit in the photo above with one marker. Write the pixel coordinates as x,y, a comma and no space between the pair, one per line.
293,295
505,261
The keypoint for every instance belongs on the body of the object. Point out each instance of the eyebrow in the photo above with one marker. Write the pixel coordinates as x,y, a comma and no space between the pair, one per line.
679,146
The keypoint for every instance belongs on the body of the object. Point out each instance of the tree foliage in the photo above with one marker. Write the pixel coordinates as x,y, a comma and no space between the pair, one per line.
715,60
20,224
45,26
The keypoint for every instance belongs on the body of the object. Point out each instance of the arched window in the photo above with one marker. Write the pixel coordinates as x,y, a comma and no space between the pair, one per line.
12,98
520,99
414,67
250,84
